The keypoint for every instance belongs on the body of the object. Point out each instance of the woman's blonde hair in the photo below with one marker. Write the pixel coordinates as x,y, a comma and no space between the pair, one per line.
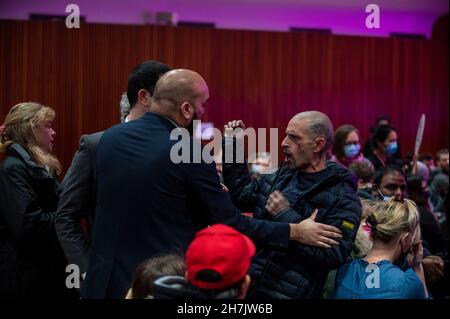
390,219
18,128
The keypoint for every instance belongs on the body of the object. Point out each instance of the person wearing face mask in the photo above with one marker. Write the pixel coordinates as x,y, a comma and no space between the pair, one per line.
369,145
260,164
389,183
395,230
385,147
32,263
346,146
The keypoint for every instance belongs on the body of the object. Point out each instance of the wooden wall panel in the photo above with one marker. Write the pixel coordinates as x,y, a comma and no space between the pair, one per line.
263,78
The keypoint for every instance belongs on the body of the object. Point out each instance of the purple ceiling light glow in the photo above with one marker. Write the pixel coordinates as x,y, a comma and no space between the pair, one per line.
342,17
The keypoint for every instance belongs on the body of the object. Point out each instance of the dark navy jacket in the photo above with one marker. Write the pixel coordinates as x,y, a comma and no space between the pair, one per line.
148,205
301,270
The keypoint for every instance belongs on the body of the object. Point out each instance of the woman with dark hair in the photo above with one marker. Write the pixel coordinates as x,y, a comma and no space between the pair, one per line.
32,263
385,147
346,146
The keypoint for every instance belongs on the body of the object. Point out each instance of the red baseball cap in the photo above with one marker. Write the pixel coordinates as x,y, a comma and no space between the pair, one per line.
222,249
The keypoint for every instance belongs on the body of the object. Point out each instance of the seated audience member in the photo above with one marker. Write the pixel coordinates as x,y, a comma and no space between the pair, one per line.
385,147
429,225
423,171
395,231
428,160
217,264
346,146
439,181
368,148
365,172
150,270
389,182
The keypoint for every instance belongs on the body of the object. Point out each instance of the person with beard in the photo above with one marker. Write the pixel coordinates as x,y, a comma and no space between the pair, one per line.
78,189
305,188
148,203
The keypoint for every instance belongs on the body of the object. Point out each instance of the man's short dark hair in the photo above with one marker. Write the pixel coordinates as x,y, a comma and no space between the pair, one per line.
441,152
388,169
144,76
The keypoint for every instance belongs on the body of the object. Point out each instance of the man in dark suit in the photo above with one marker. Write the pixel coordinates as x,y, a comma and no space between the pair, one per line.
78,190
147,204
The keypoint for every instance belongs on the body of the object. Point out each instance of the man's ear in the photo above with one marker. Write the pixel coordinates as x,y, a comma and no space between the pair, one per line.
320,144
185,109
144,97
244,287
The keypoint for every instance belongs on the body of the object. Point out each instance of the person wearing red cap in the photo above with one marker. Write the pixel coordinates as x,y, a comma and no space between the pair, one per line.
217,264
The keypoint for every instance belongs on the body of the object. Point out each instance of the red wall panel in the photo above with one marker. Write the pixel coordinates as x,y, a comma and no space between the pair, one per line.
263,78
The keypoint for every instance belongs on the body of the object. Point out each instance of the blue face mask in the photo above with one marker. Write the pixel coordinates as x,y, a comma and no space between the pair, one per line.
256,169
385,198
391,148
351,150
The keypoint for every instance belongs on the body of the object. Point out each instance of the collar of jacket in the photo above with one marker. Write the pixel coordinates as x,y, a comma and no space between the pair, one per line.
163,117
336,174
37,171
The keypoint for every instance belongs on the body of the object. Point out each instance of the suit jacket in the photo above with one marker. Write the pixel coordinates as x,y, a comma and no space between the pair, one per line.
77,202
148,205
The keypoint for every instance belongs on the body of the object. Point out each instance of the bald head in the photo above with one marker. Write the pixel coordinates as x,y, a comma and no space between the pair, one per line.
178,86
319,125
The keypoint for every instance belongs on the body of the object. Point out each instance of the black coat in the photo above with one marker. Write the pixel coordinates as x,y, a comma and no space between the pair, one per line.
300,271
32,263
148,205
77,203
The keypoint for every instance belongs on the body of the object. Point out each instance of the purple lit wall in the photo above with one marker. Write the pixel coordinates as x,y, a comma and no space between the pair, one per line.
342,17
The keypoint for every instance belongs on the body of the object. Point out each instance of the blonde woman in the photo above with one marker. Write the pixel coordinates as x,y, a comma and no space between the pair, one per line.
395,233
32,264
